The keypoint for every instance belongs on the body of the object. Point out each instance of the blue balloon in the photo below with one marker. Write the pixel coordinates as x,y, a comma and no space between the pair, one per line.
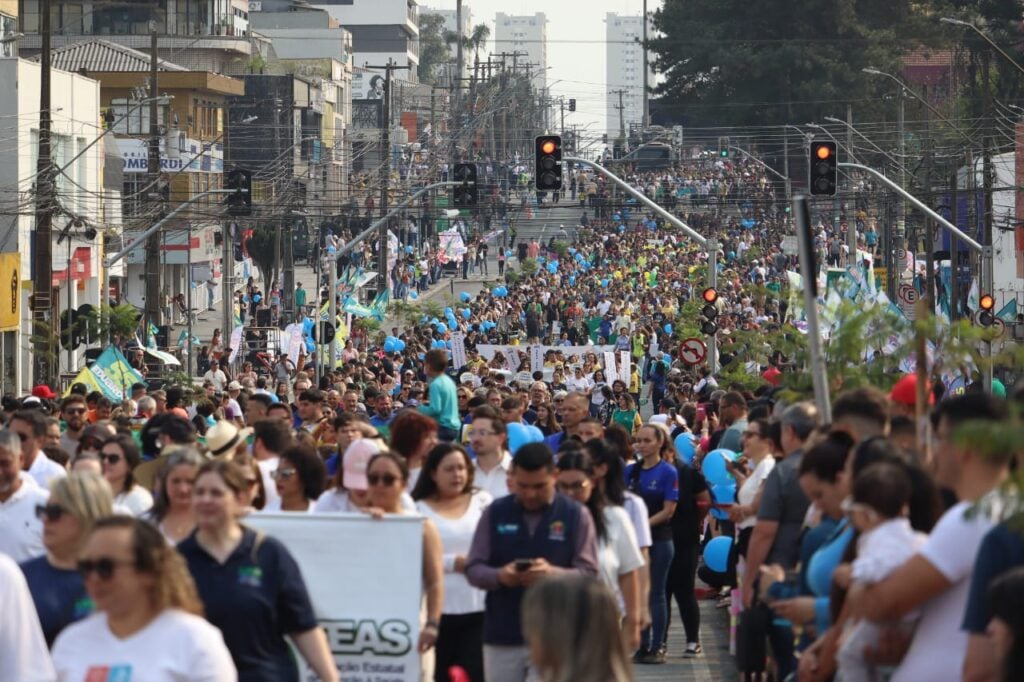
465,297
399,345
434,320
540,260
552,267
518,436
668,328
413,295
724,493
437,343
716,553
713,468
447,312
466,313
390,344
257,298
442,327
536,435
508,253
604,283
408,249
685,447
572,280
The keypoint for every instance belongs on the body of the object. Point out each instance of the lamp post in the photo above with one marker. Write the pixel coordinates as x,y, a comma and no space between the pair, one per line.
961,22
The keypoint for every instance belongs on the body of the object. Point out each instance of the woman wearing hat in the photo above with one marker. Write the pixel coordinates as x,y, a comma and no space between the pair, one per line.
226,440
349,491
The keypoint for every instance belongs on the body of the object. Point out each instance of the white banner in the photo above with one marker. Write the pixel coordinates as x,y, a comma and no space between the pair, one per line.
487,350
511,354
236,342
365,586
537,358
458,350
293,333
609,366
624,367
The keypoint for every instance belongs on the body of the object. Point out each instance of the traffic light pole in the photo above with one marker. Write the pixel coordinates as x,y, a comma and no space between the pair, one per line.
710,245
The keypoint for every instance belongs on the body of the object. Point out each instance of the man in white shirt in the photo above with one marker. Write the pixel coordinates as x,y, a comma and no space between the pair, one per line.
21,532
216,376
30,425
271,437
937,578
487,437
23,652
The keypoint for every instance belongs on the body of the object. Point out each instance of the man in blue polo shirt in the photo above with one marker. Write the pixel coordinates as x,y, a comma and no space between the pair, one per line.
521,539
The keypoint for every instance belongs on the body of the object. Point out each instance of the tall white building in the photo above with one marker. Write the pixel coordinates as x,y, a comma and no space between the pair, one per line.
625,70
527,34
381,30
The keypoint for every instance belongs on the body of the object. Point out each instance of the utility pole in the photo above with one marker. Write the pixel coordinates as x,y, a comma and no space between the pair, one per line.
954,250
385,173
152,308
851,215
622,113
42,262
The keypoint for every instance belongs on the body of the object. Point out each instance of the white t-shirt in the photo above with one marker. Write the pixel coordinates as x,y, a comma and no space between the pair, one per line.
21,533
494,481
267,468
23,653
138,500
636,508
456,537
939,645
275,506
175,646
44,470
618,553
748,491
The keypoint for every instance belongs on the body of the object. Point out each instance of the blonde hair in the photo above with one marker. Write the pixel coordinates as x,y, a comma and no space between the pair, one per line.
173,587
85,495
573,622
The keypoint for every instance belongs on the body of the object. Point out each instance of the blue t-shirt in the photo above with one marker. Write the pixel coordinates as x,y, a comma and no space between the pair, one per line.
655,485
59,595
1001,549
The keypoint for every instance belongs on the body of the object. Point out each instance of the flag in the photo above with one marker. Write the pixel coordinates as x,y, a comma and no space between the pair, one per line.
1008,313
379,307
151,338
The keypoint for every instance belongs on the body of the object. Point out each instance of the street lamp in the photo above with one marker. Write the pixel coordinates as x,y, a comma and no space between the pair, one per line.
961,22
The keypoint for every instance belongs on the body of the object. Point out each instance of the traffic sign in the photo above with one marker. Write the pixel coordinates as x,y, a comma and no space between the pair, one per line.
907,294
789,246
998,327
692,351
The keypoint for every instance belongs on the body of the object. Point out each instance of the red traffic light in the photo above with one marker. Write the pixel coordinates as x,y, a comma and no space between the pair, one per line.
710,295
987,302
548,146
824,152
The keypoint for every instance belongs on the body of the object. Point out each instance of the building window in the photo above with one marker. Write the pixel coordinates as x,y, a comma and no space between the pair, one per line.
136,116
8,26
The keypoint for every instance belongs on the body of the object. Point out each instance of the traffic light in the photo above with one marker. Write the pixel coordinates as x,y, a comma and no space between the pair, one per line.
572,105
986,304
240,201
709,313
466,194
824,168
547,174
723,147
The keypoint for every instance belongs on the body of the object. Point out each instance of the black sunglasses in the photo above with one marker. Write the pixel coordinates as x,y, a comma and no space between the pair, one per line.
381,479
50,512
104,567
111,458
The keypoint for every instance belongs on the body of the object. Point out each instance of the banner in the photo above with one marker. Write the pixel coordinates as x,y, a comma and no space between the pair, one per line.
458,350
609,366
487,350
236,343
624,368
536,358
365,586
293,334
10,292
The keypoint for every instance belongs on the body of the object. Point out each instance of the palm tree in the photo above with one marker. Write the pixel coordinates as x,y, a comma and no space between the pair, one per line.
478,38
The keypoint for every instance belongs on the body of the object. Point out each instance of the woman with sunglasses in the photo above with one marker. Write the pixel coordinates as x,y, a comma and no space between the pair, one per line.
76,502
618,551
148,623
299,480
445,494
250,584
172,505
119,456
387,475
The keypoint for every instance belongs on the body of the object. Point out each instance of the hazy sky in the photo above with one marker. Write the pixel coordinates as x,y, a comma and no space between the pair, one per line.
576,49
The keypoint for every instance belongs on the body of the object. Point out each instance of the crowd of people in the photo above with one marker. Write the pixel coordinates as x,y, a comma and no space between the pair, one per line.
569,497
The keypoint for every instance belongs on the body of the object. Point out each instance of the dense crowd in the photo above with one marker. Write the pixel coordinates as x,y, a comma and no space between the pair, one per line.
569,494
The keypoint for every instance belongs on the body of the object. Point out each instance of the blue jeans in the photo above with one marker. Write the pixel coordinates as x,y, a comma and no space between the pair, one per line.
662,552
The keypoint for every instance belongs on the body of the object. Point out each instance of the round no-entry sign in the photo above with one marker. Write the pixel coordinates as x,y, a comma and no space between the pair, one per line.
692,351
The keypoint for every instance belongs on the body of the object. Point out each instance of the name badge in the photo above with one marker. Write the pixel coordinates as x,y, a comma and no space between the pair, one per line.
508,528
250,575
556,531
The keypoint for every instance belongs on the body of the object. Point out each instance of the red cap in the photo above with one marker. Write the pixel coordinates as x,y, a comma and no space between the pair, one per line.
43,391
905,391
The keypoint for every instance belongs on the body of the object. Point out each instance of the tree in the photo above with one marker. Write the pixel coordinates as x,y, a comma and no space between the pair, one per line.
731,62
261,247
433,50
478,38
